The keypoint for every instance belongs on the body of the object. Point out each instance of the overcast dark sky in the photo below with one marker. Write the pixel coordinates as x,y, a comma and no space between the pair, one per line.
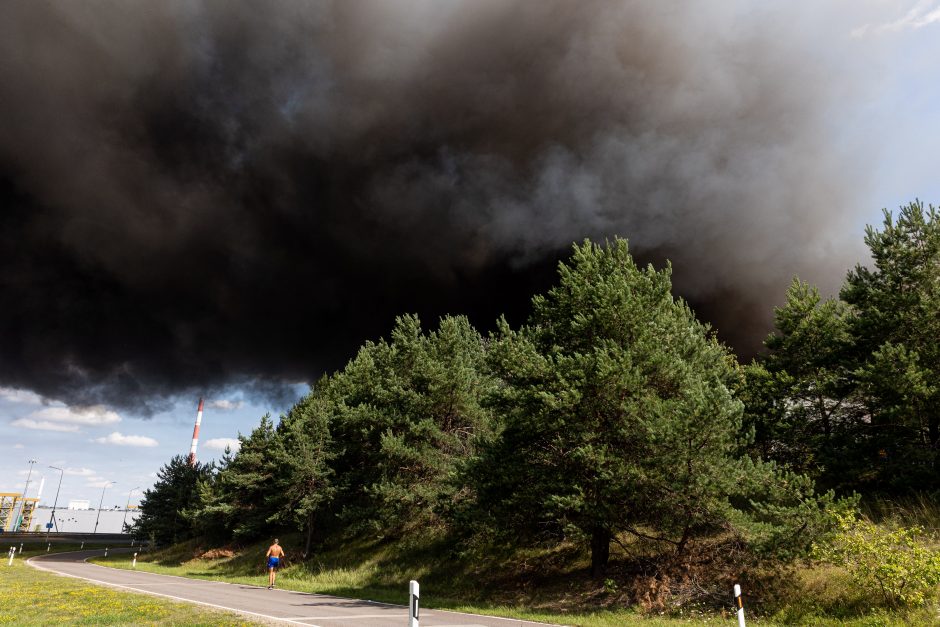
197,194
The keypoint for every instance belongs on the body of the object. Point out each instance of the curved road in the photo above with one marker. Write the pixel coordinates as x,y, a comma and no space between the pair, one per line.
282,606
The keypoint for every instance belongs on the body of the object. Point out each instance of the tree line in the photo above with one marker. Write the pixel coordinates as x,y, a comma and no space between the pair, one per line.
612,413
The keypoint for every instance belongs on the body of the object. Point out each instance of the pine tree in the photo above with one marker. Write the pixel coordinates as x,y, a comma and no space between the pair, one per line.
409,413
619,417
303,479
801,397
244,491
852,384
162,510
897,326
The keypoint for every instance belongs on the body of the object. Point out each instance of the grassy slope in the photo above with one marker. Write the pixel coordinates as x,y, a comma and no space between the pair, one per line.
32,597
380,571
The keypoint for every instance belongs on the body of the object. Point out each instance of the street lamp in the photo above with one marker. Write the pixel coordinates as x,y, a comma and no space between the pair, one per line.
106,484
126,506
25,494
54,503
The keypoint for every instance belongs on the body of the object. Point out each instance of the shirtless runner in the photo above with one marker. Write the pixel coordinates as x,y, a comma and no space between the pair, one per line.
275,555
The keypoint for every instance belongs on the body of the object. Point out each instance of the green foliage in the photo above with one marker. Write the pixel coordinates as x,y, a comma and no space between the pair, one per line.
279,477
897,323
303,481
620,417
801,397
162,510
897,563
243,494
409,413
848,390
612,414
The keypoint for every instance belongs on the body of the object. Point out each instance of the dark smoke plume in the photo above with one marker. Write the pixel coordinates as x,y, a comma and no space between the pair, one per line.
197,194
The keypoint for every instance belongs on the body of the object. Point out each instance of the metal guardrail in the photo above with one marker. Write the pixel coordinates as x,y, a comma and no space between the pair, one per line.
61,537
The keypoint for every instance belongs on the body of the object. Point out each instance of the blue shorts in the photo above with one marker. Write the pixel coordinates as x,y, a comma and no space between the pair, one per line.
273,562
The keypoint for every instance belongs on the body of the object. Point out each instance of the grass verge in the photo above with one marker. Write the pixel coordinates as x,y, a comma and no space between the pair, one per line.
32,597
380,572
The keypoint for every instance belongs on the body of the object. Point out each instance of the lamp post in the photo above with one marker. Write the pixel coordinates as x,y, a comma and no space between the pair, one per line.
54,503
25,493
126,506
98,517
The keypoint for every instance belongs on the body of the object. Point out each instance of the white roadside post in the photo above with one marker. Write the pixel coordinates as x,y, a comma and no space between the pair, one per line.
83,545
48,546
413,605
739,604
10,554
105,551
21,547
134,563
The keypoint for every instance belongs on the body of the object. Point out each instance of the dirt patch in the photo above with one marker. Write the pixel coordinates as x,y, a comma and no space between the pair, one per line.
214,554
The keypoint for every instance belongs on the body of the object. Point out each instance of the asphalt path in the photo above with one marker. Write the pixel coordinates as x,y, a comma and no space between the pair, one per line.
279,606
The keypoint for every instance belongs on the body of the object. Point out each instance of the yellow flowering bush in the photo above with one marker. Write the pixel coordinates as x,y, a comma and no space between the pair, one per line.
895,563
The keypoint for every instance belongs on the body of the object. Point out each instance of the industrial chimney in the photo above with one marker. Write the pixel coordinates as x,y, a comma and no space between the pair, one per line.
192,449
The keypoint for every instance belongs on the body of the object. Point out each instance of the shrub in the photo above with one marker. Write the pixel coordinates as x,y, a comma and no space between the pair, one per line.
893,562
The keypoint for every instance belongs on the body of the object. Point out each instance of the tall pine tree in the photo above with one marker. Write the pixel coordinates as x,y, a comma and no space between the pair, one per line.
618,414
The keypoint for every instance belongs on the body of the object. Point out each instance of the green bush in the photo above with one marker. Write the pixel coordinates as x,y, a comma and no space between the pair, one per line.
893,562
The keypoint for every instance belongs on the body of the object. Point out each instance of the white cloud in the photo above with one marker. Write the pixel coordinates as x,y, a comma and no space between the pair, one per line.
68,419
226,405
43,425
98,482
90,416
219,444
18,446
923,13
127,440
24,397
80,472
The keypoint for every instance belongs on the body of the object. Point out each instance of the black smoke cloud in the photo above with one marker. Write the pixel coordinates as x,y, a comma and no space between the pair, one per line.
197,194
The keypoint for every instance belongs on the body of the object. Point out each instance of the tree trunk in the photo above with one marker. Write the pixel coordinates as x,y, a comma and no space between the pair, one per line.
600,552
309,535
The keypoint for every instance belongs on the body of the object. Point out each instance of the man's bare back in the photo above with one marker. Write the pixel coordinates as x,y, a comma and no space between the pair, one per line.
275,554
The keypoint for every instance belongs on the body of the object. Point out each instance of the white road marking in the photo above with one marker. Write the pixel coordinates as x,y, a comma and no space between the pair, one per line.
169,596
293,620
344,617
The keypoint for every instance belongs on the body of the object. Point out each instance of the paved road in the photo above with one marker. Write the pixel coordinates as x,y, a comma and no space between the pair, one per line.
281,606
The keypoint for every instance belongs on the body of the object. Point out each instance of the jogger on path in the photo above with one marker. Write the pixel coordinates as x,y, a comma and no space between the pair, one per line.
275,555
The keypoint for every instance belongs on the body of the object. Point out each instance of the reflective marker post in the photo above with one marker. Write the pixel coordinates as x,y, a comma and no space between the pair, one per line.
134,563
10,554
739,604
413,617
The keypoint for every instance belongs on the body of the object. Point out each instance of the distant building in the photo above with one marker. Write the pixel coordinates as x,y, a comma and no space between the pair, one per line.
83,520
79,504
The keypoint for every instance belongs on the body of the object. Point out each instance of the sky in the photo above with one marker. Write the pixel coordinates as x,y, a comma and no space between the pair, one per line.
197,200
108,454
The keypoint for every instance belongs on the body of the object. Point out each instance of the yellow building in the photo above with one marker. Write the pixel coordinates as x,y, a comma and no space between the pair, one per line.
12,517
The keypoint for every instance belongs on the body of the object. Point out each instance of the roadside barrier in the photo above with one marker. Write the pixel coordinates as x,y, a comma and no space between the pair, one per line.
413,617
739,604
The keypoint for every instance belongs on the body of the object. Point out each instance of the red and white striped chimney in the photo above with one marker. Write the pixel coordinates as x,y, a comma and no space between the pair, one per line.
192,449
